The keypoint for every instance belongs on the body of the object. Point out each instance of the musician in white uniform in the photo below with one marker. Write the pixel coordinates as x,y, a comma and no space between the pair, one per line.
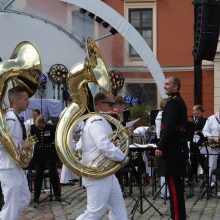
144,132
13,180
211,130
102,193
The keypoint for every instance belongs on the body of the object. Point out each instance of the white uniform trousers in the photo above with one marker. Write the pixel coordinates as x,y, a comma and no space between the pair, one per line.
16,193
66,175
104,194
212,165
213,158
164,190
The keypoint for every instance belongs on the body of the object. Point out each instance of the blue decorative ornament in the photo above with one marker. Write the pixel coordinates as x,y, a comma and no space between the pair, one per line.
134,101
43,78
43,81
127,99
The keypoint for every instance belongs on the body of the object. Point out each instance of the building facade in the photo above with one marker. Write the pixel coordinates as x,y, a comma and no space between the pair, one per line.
168,29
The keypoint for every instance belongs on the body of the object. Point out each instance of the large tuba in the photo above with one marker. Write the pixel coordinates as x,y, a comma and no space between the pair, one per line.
24,68
91,70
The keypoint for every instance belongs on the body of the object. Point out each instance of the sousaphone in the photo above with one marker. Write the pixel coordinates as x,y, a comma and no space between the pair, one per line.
91,70
24,68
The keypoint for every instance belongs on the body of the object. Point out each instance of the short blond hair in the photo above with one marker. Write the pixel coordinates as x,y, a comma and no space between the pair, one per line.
40,120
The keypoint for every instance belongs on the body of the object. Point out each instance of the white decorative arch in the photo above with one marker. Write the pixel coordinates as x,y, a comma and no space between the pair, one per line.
111,16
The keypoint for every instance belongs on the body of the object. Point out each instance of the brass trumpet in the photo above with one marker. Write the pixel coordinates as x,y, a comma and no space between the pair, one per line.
213,142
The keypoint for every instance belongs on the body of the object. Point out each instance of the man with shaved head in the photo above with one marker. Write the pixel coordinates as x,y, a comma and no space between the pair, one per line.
171,150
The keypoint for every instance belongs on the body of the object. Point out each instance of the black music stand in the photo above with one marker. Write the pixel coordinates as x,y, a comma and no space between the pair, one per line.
138,206
208,189
165,194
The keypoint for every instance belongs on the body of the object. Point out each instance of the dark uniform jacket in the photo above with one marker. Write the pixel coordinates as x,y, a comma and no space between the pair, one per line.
199,124
195,126
172,138
44,149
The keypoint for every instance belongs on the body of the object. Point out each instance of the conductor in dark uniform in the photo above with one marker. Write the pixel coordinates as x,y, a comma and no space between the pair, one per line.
172,147
45,156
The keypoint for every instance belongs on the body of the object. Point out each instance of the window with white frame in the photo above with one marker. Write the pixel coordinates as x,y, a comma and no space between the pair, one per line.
142,20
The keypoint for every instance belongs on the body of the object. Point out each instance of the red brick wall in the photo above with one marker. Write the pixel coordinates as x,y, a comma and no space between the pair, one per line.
50,7
113,47
175,20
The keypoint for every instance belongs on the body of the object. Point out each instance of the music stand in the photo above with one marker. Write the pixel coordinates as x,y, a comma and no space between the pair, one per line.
165,194
208,190
138,206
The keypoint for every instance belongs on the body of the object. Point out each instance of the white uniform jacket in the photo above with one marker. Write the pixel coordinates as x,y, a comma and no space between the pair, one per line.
95,140
212,126
158,123
28,124
6,162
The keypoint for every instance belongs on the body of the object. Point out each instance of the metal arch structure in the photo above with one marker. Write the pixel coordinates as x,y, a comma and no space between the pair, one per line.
118,22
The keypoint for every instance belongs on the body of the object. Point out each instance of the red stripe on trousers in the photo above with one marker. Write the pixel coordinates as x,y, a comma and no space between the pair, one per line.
175,200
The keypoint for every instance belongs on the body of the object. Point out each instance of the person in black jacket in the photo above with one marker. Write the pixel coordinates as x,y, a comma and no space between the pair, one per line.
172,147
44,156
198,138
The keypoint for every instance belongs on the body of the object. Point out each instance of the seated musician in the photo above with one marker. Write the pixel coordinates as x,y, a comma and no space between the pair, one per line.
44,157
212,132
144,131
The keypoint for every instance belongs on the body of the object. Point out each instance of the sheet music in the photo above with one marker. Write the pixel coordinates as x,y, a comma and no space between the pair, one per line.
142,146
131,123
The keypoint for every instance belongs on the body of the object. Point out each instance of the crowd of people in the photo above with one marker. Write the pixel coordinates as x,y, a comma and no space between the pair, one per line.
179,152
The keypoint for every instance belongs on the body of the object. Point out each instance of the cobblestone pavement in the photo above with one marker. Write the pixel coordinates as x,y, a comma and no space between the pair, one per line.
204,209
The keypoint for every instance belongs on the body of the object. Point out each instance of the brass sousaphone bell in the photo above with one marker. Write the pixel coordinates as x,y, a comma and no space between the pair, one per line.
24,68
91,70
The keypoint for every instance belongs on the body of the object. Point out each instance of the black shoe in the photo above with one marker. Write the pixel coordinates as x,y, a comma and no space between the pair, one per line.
36,200
190,195
74,180
57,199
67,184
